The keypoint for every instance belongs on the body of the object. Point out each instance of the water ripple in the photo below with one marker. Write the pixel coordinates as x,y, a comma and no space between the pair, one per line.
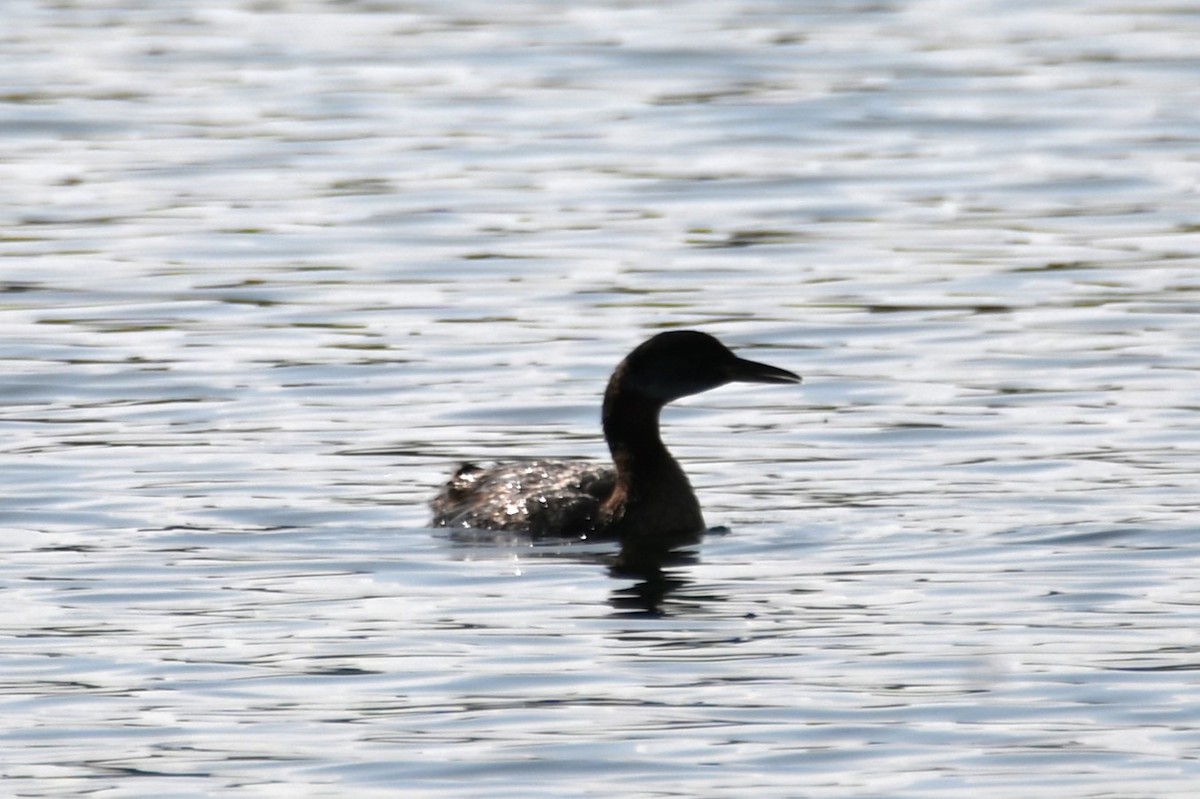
271,269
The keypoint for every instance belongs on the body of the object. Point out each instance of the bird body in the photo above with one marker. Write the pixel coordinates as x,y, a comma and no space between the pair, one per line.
644,498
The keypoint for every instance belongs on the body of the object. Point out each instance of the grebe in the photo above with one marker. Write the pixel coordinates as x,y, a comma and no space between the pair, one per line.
644,499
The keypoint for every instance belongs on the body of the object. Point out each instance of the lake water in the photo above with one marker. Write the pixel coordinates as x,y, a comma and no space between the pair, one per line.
271,268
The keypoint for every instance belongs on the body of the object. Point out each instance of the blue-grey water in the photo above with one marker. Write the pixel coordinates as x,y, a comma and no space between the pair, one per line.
269,269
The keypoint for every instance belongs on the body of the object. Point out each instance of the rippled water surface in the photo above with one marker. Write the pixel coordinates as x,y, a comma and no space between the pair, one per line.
270,268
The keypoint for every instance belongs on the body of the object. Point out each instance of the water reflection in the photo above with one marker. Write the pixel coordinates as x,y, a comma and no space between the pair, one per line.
659,578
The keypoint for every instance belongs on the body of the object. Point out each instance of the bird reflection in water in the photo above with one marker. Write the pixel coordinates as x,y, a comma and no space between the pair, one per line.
659,582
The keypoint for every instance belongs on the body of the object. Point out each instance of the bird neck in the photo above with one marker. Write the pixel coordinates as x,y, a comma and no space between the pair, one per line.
653,499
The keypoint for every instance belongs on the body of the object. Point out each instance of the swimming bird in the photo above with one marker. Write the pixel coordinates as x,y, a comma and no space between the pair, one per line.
644,498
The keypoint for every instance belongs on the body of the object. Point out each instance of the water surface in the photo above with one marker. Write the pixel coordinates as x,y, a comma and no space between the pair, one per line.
271,269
